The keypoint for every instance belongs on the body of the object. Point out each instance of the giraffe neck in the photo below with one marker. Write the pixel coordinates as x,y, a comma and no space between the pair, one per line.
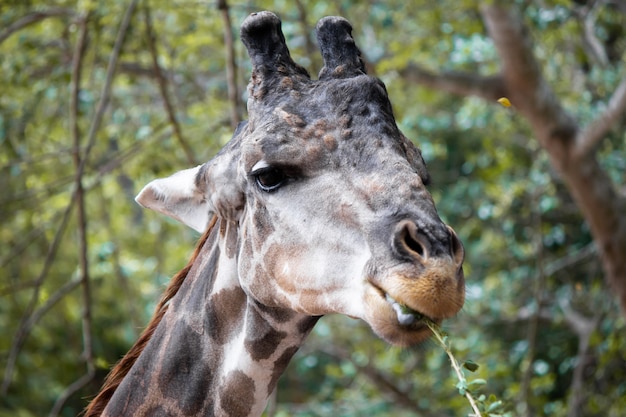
216,352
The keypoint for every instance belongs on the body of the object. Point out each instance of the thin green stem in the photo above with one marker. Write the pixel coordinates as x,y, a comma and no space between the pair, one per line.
439,336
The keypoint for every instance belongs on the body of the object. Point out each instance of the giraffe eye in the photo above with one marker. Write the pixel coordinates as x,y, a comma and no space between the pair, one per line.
269,179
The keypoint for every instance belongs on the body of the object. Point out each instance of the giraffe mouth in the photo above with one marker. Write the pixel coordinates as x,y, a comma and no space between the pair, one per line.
405,314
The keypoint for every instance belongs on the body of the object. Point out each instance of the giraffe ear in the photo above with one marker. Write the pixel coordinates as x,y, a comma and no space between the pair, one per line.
179,197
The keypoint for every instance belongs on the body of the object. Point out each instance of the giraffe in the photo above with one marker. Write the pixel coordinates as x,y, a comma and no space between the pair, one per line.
317,205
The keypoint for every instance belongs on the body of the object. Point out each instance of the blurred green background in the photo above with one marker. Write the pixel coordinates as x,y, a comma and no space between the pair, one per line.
539,317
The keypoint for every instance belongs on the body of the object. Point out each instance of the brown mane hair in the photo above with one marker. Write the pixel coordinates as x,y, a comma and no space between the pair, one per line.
121,369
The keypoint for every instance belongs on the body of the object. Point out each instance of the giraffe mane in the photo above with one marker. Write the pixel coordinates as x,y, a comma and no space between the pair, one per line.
123,366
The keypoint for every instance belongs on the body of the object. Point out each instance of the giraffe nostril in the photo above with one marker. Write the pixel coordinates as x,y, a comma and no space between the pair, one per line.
413,244
408,242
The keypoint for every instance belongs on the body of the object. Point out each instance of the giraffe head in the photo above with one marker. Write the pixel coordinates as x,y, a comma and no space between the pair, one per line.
329,196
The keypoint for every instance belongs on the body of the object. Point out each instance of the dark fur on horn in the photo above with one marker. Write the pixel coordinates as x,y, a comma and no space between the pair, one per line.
342,58
262,35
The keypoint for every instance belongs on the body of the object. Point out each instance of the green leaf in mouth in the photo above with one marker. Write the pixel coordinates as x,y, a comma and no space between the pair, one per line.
409,310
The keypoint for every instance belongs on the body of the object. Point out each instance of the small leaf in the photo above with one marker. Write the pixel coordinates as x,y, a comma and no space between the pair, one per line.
494,406
504,101
476,383
470,365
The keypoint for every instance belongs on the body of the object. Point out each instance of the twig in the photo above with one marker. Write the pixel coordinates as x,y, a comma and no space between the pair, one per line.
52,157
382,382
32,18
455,365
533,324
105,96
29,321
489,88
571,259
23,328
597,129
162,82
79,52
69,391
17,247
119,272
584,328
309,46
596,50
231,65
36,195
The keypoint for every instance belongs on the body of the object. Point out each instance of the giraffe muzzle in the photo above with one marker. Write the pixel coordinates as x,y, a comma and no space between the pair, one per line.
426,282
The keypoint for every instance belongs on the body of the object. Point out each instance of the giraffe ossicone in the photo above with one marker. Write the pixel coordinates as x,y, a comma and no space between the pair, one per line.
317,205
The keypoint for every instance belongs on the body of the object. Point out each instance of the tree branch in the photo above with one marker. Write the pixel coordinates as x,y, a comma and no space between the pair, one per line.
162,82
309,46
594,47
525,85
105,95
587,139
583,327
24,327
32,18
231,65
571,259
91,138
381,381
133,309
539,295
83,260
459,83
81,163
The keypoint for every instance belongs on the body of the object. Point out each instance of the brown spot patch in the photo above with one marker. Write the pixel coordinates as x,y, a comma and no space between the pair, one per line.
262,222
157,411
225,314
232,241
280,365
291,119
306,324
347,214
330,142
263,339
185,378
279,314
237,394
345,121
285,82
275,259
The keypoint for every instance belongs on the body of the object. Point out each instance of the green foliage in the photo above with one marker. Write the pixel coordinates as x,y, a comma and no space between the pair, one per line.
530,259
